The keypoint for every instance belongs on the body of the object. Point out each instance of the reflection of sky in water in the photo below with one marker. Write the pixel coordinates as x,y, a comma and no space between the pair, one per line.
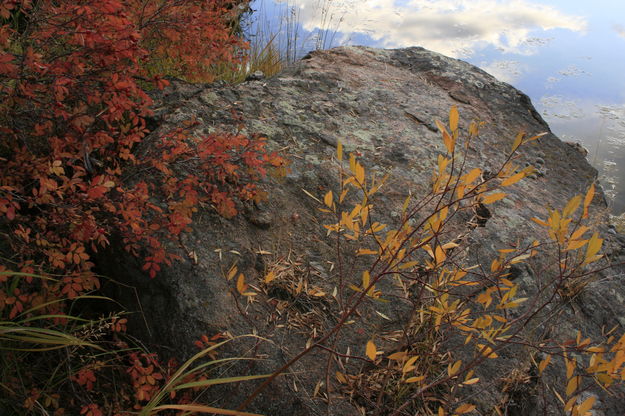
567,55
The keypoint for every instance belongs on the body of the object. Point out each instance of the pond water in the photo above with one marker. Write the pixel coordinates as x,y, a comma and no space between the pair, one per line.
567,55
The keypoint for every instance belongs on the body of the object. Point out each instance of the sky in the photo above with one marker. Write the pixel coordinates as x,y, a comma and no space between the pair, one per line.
568,56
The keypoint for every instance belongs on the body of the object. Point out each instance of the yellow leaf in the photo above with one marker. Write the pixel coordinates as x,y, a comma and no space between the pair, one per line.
360,173
460,191
408,265
442,163
570,366
371,350
471,381
439,255
572,385
588,199
543,364
355,288
452,369
364,214
449,142
241,285
440,126
447,139
453,118
366,277
270,276
328,199
517,141
514,178
398,356
447,246
520,258
575,244
415,379
594,245
352,162
536,137
343,194
428,250
473,129
341,377
579,232
489,199
507,283
605,379
232,272
442,215
339,150
494,265
571,206
472,176
409,365
365,251
406,202
486,351
570,403
509,305
586,406
465,408
539,222
441,411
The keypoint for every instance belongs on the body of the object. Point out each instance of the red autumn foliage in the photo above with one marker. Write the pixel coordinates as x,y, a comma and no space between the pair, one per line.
73,112
73,105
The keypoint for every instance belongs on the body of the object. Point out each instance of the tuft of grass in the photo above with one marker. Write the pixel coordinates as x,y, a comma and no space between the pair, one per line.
179,381
261,56
276,39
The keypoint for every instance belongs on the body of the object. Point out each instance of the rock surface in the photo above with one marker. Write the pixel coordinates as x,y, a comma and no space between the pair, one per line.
381,104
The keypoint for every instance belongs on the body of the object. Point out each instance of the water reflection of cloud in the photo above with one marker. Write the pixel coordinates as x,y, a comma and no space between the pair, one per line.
558,107
572,71
452,27
506,71
551,81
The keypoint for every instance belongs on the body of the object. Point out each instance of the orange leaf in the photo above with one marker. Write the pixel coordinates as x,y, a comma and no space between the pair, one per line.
514,178
371,350
489,199
241,285
586,406
415,379
543,364
572,385
452,369
594,245
453,118
571,206
472,176
588,199
328,199
270,276
465,408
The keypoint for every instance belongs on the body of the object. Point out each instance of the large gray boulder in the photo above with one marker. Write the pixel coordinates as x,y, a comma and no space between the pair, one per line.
381,104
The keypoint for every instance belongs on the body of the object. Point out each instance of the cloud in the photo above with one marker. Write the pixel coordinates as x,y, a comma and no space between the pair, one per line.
452,27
